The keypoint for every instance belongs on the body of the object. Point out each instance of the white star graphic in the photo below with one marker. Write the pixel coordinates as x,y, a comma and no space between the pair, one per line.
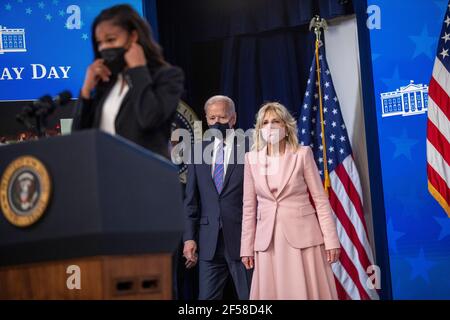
315,108
320,160
326,97
28,11
343,126
48,17
444,53
327,72
302,143
446,37
330,161
335,111
316,96
341,151
309,81
303,131
325,110
331,149
332,137
335,99
447,21
41,5
342,138
333,124
307,94
327,84
312,132
304,118
321,147
313,120
305,106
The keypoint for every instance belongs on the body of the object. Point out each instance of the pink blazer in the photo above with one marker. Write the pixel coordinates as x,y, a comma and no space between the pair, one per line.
302,225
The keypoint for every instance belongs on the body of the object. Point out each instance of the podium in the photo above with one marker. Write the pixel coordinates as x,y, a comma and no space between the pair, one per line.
109,231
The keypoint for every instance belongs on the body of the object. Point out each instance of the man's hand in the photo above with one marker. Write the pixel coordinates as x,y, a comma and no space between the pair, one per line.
249,262
190,253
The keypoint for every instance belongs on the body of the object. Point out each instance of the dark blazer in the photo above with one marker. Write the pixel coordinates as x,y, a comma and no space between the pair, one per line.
146,113
204,207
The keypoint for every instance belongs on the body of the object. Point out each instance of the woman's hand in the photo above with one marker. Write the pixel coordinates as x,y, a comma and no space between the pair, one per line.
96,71
135,56
333,255
249,262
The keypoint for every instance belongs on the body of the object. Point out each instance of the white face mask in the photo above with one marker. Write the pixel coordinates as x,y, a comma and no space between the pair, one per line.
273,135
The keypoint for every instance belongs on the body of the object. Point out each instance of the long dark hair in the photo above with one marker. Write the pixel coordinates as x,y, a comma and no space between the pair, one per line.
126,17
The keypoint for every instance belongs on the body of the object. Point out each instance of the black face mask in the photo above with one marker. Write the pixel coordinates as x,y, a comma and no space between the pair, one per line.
222,127
114,59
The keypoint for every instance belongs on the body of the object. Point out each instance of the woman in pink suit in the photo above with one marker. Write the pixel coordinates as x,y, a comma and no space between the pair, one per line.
290,243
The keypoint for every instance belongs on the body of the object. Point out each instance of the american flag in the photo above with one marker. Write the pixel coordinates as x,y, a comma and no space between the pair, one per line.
345,191
438,126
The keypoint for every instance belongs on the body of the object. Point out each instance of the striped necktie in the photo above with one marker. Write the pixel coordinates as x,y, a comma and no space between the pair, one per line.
219,169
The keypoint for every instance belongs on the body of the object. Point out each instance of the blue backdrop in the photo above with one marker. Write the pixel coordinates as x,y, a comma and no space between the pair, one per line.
55,36
418,230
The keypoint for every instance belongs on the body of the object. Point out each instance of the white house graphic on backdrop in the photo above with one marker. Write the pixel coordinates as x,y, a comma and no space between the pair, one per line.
12,40
407,101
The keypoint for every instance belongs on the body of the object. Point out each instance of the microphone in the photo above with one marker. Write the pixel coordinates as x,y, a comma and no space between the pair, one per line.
46,105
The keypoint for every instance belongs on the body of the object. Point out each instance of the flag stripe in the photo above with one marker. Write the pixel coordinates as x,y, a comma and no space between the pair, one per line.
350,249
441,76
438,183
351,221
345,283
440,97
351,269
439,119
342,295
438,141
437,163
352,193
350,167
361,257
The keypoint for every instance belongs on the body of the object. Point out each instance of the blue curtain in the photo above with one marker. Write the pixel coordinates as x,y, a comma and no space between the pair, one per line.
253,51
267,67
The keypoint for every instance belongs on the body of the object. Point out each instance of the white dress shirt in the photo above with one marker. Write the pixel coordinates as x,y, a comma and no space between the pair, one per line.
112,105
226,153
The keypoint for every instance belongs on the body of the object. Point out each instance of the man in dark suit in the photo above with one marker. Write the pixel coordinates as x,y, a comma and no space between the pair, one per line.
213,204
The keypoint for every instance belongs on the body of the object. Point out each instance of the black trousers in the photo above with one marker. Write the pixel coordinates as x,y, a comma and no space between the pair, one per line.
213,275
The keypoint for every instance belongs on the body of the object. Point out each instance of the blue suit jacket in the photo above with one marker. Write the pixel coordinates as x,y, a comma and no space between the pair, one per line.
205,207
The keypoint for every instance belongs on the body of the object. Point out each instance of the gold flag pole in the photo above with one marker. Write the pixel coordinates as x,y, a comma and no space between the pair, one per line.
317,24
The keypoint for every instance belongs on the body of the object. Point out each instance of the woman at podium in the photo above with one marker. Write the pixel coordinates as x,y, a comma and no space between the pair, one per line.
129,89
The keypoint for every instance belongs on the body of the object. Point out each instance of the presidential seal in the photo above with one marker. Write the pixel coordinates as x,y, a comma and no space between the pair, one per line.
25,190
187,120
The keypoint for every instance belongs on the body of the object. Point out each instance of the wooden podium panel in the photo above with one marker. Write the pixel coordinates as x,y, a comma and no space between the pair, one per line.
106,277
